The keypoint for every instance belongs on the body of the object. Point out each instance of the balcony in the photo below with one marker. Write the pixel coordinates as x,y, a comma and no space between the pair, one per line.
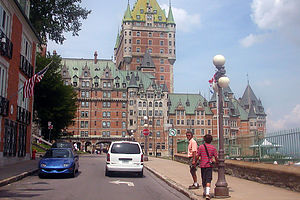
6,46
4,104
26,67
23,115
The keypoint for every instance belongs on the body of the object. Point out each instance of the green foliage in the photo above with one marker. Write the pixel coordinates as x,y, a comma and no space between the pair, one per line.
53,100
51,18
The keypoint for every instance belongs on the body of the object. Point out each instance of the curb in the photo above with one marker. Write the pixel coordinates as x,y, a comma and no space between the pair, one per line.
174,185
17,177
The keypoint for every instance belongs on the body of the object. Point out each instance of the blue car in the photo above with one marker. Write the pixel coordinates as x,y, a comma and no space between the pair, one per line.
59,161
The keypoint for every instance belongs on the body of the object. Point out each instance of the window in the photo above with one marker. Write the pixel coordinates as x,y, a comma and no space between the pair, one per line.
123,114
138,41
5,22
159,18
138,49
150,51
3,80
138,17
162,78
161,61
150,34
170,43
138,33
123,105
142,11
160,104
170,35
150,42
170,51
26,50
161,43
124,94
161,35
161,51
123,124
138,60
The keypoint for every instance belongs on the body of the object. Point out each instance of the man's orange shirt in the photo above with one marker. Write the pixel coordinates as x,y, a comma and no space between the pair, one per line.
192,147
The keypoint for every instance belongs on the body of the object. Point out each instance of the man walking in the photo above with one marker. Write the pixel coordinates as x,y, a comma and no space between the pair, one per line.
207,151
192,154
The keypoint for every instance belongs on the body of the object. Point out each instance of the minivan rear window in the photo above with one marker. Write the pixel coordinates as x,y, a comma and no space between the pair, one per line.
125,148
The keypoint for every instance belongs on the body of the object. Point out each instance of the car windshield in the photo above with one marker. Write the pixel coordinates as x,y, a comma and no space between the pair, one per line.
125,148
58,153
62,145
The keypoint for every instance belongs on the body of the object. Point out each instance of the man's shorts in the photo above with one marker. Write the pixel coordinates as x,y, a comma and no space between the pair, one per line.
192,167
206,175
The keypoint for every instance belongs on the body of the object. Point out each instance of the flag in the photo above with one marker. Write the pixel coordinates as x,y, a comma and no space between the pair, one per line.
36,78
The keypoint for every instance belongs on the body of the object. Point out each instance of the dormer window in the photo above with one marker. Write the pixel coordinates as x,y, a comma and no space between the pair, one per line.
142,11
106,74
64,73
85,74
159,18
138,17
155,11
124,85
188,103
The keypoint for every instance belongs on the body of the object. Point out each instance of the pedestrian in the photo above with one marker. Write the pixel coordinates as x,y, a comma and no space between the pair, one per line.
192,154
206,152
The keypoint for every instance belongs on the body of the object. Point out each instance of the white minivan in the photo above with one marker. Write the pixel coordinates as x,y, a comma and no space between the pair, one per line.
124,156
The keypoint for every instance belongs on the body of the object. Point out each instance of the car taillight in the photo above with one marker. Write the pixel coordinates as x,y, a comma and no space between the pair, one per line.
142,158
108,157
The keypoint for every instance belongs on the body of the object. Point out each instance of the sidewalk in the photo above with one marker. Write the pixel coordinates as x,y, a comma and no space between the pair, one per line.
177,175
14,172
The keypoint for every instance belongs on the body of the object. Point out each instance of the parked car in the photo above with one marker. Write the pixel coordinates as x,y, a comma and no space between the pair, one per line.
124,156
59,161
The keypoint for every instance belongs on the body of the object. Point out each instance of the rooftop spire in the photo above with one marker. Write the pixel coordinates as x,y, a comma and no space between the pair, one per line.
127,15
170,19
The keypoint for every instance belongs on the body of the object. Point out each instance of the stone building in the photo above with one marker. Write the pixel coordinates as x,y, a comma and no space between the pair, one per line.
115,96
18,44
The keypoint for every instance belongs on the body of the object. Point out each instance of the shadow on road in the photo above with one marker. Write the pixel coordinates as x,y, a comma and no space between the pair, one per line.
125,175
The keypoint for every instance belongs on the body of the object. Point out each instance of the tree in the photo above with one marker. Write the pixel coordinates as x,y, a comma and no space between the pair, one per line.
51,18
53,100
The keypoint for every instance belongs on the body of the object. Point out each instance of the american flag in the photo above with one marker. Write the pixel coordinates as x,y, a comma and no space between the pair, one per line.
36,78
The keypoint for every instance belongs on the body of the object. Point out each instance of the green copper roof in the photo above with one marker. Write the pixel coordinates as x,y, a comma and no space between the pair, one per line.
170,19
117,41
242,112
127,16
194,101
140,8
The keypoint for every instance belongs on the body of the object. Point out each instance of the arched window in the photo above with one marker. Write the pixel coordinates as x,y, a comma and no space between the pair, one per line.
150,104
156,104
160,104
144,104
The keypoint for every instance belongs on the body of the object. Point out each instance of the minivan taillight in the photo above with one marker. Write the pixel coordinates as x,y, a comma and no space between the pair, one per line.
108,157
142,158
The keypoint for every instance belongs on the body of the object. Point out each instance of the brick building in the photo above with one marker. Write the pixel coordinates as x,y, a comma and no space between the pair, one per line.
114,96
18,41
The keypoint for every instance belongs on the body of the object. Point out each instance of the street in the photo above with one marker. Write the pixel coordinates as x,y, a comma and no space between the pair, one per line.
90,183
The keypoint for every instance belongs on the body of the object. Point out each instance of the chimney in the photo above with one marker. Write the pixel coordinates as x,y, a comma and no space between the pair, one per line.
95,57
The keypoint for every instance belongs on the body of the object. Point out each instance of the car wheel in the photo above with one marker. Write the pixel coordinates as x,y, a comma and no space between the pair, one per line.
73,173
141,174
107,173
41,175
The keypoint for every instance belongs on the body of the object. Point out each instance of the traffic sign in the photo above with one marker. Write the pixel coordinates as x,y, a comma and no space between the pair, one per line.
146,132
172,132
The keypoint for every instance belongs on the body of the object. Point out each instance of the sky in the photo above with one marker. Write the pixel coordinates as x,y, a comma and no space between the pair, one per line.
260,40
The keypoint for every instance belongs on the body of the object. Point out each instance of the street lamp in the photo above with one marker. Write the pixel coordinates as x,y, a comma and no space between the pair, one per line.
146,139
221,189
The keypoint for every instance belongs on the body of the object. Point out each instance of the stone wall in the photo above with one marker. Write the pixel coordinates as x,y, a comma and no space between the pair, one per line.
283,176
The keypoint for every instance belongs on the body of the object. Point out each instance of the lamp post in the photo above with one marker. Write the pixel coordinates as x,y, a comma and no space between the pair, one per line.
146,139
221,189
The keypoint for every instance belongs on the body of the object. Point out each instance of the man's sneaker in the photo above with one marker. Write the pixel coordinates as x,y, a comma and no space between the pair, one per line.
203,195
192,187
207,197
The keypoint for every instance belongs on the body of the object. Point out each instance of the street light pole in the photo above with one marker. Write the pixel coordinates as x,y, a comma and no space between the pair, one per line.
146,139
221,189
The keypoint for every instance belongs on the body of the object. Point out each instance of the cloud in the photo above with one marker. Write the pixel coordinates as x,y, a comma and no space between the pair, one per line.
264,83
184,21
251,40
291,120
280,16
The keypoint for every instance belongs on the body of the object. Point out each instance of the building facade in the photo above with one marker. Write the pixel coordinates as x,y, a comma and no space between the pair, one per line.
18,42
117,97
147,29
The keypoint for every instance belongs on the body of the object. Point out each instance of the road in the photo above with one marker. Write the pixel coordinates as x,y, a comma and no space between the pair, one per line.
91,183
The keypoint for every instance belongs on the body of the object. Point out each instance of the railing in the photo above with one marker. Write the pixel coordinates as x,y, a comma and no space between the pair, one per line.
282,147
23,115
6,46
4,104
26,67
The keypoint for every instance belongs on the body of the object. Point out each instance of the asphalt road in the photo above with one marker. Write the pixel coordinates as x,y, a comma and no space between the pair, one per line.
91,183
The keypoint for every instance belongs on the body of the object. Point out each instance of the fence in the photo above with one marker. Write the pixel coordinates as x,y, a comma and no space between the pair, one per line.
282,147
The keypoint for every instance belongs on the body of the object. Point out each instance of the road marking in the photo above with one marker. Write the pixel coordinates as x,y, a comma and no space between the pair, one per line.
130,184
